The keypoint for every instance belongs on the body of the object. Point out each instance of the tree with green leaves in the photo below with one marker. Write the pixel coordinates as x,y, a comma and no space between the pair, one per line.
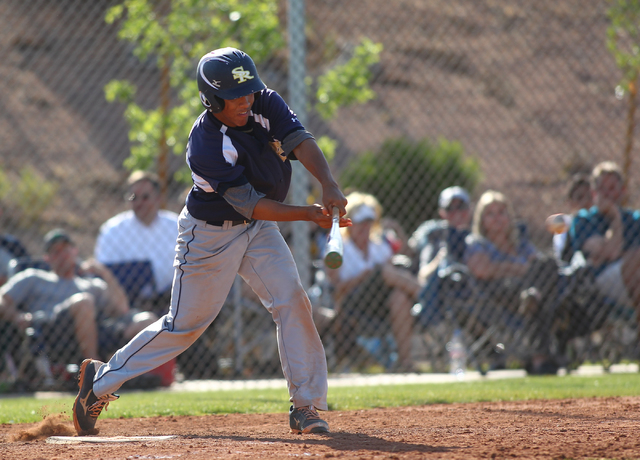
623,41
411,169
176,33
348,83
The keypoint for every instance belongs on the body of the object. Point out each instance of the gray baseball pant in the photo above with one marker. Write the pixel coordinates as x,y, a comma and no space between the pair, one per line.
207,260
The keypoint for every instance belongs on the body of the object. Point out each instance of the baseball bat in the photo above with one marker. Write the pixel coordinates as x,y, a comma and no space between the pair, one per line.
333,251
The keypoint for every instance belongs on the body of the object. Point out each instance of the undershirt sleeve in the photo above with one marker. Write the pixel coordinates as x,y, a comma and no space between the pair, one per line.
243,198
293,140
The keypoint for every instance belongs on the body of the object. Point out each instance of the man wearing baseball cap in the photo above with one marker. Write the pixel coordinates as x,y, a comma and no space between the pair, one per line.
439,246
70,297
452,193
454,209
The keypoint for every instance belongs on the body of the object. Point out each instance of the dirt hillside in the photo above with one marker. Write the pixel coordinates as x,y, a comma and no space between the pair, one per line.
526,87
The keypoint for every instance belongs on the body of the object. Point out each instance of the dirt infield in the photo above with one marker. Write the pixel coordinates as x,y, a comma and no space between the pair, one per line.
575,428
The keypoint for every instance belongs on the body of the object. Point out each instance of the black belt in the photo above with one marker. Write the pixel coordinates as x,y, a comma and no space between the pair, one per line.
220,223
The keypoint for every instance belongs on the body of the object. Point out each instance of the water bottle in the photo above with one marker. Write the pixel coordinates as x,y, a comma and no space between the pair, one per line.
457,355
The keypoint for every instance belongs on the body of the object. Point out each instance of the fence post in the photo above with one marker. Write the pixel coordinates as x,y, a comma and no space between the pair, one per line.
297,101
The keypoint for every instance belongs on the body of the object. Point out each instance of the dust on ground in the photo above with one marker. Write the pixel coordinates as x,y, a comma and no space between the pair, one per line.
51,425
569,428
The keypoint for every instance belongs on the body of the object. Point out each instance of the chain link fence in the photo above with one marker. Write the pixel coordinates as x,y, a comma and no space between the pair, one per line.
511,96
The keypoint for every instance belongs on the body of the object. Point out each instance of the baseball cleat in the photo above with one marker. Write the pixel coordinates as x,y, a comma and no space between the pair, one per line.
87,406
306,420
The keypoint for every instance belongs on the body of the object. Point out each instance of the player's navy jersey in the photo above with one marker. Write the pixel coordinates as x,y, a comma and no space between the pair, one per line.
221,157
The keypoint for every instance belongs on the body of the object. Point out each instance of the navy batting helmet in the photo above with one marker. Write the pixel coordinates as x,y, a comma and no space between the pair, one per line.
226,73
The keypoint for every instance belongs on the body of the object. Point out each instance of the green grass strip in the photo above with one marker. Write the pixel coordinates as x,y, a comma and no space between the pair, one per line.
163,403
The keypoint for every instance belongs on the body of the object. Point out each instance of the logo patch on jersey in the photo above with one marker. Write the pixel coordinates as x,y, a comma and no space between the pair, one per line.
241,75
277,147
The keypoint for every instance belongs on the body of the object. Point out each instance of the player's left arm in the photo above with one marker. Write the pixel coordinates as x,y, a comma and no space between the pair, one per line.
312,158
298,143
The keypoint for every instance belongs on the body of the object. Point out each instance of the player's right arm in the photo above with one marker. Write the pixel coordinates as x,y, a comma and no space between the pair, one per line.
266,209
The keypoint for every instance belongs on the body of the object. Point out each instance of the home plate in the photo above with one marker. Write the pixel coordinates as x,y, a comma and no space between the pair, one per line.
100,439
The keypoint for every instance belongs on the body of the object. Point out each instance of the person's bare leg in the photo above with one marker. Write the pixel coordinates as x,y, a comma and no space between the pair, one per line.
400,278
402,325
83,311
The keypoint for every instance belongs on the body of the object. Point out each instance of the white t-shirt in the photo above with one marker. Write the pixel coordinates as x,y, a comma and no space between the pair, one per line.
124,238
354,263
559,242
560,239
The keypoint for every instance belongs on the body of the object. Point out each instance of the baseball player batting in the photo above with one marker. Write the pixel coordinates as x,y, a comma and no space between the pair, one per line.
239,152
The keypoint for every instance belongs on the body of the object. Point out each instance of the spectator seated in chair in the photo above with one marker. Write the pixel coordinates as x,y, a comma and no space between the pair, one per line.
10,248
579,197
373,297
516,285
439,245
144,233
136,278
607,236
71,306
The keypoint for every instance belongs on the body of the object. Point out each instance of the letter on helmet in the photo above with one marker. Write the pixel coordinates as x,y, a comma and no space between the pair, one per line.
225,74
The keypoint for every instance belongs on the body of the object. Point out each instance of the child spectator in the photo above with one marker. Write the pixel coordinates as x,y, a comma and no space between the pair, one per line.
578,197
